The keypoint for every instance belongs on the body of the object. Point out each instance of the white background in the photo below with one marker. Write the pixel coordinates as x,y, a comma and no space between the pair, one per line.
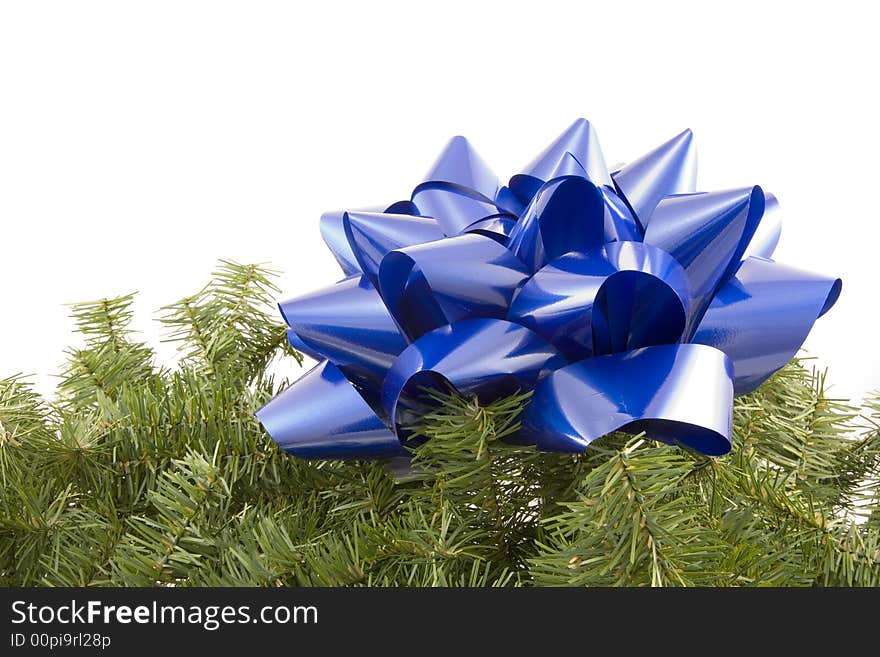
140,142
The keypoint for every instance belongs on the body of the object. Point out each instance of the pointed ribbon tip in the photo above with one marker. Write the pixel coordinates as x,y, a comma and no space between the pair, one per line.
576,149
669,169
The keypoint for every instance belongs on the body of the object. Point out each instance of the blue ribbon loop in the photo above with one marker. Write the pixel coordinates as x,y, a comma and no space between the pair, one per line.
566,214
429,285
684,395
626,301
485,357
621,296
371,236
348,324
762,315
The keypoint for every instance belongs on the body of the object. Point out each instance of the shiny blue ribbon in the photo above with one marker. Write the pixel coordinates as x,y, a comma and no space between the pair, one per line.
625,300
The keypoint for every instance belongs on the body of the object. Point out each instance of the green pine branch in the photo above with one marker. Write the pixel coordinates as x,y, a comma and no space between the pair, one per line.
141,474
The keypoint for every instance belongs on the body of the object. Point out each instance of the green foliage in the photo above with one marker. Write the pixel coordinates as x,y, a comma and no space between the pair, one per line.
142,475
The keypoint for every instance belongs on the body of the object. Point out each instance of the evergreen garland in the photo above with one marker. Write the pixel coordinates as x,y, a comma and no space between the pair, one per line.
141,475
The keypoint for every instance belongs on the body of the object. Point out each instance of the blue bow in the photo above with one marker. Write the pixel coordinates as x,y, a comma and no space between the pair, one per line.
624,300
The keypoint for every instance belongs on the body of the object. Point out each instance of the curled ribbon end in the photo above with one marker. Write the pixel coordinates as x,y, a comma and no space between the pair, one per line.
833,296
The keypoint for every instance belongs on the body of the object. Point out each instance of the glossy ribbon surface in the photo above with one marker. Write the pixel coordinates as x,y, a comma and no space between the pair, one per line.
626,300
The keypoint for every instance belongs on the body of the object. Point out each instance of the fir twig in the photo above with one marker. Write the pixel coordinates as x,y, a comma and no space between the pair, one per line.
137,474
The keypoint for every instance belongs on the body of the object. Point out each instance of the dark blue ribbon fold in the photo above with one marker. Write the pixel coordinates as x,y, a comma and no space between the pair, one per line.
626,300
